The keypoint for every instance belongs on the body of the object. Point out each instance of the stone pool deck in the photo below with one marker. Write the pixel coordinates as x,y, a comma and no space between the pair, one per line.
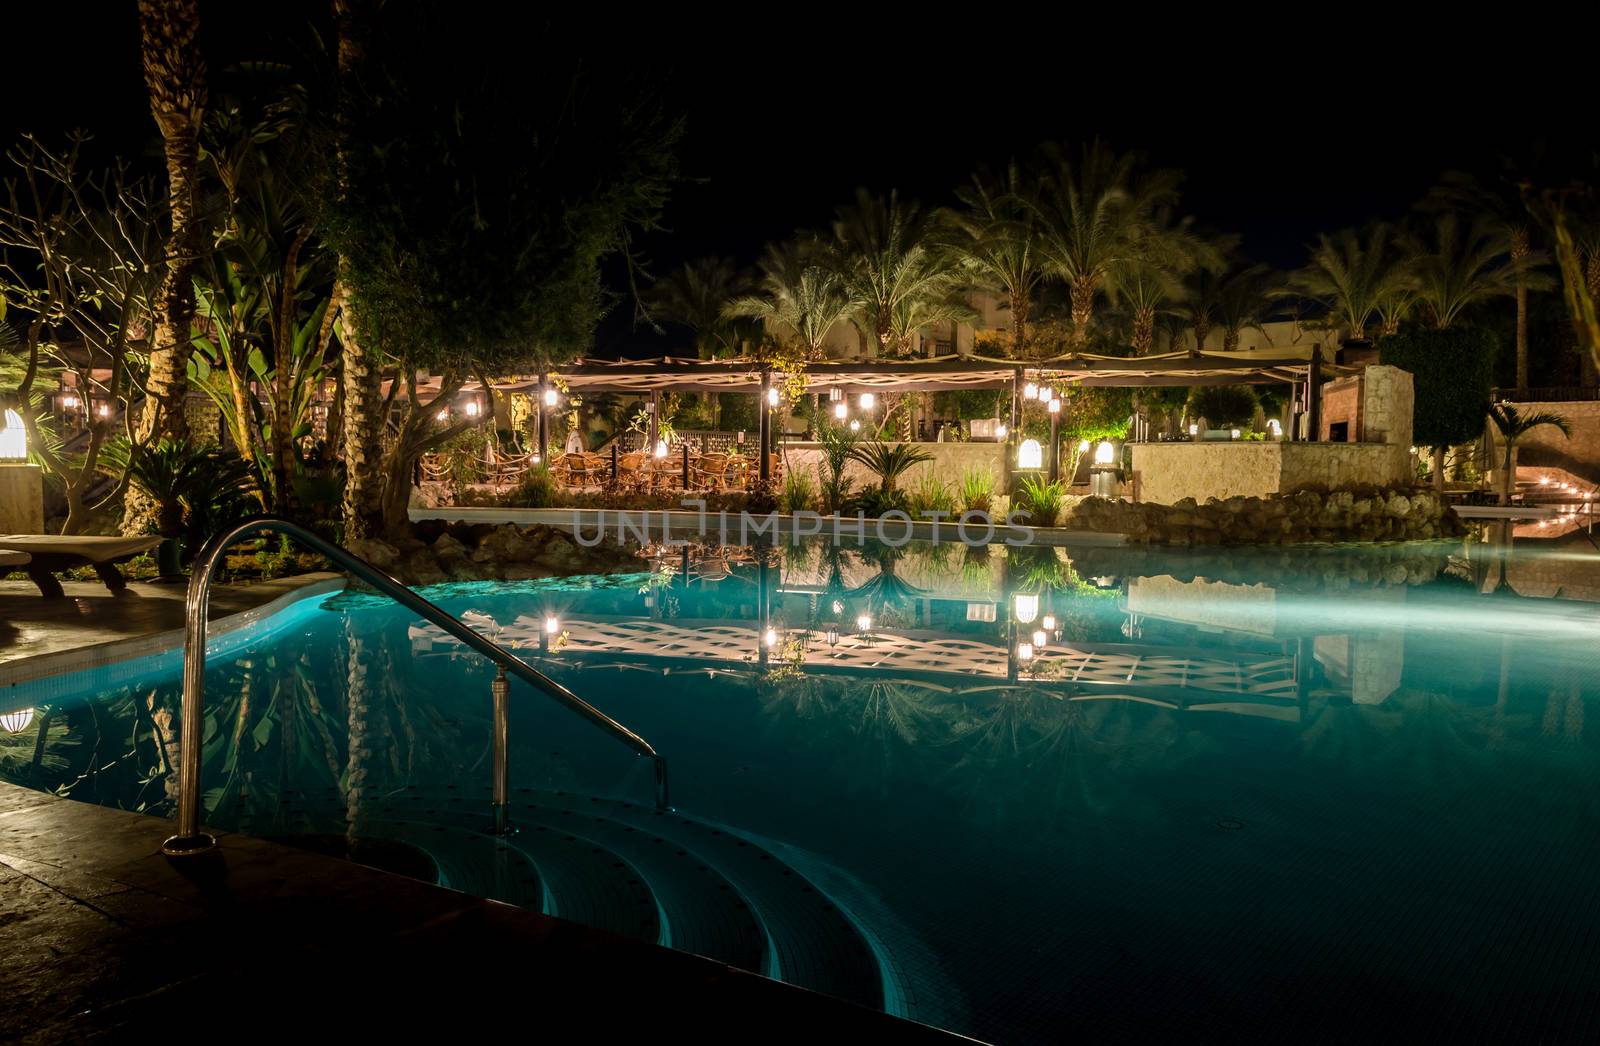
102,938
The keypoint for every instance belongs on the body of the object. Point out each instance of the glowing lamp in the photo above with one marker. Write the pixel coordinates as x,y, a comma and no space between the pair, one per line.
69,401
534,458
1025,606
855,426
863,622
18,721
838,606
1105,453
771,638
1039,638
841,410
104,410
1544,481
1030,455
867,400
661,448
833,636
552,625
1001,431
13,442
472,408
443,415
1024,651
1275,426
549,397
1054,406
1049,622
1083,445
1030,391
1233,433
1194,430
772,397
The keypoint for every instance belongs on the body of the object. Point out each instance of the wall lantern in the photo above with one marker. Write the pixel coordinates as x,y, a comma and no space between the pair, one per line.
13,440
1030,455
1030,391
18,721
867,400
1025,606
1105,453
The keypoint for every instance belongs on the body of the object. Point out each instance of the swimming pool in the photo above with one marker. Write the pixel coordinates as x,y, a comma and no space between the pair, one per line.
1018,793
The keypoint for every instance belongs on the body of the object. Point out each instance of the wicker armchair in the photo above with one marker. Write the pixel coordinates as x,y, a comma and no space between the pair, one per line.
709,471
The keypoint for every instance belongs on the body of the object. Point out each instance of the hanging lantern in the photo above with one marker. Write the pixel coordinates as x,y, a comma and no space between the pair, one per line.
1030,391
1039,638
16,722
1025,606
867,400
1049,622
1024,651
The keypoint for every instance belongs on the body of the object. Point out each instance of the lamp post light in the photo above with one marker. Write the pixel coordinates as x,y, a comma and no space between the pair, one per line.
841,410
21,484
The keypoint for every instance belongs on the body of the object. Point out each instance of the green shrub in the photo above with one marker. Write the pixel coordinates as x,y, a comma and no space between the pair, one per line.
536,490
889,460
977,490
875,501
929,495
799,493
1224,406
1042,500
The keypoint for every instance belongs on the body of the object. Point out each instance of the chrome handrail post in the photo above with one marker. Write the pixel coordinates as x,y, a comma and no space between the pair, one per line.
501,691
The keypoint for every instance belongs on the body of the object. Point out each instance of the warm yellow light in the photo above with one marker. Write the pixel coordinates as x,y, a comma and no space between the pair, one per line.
1105,453
552,625
1024,651
1039,638
1030,391
841,410
1049,622
1030,455
661,448
1026,607
1083,445
549,397
443,415
1054,406
13,441
863,622
772,397
867,400
15,722
771,637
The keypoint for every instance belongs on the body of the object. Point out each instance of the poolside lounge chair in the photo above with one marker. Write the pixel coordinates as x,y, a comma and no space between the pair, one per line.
48,553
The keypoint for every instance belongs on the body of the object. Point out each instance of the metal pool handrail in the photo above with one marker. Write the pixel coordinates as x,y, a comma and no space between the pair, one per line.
190,840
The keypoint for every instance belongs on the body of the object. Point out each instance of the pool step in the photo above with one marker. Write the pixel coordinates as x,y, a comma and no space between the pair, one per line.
631,869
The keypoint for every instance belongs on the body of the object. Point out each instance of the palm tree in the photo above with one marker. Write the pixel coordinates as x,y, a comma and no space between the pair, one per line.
1099,212
1244,300
696,296
1357,276
799,299
1146,285
1454,266
889,460
995,233
1512,425
1197,307
1500,202
175,75
886,257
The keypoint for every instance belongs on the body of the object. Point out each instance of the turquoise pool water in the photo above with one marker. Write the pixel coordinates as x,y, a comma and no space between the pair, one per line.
1322,795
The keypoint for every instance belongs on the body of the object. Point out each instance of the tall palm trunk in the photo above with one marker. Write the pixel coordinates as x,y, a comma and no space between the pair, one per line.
1019,324
1202,331
1144,330
1591,278
360,373
1230,339
175,75
1083,288
1520,249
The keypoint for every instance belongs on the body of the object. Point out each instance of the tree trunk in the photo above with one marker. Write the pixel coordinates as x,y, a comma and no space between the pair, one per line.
1019,324
1082,309
1202,331
1230,339
1144,330
1520,248
175,74
1438,468
1591,274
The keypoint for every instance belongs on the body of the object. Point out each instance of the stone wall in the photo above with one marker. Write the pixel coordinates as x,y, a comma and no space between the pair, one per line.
1166,473
1284,519
1579,455
438,552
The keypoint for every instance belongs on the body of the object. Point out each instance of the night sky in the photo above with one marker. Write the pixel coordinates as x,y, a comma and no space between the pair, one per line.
1283,137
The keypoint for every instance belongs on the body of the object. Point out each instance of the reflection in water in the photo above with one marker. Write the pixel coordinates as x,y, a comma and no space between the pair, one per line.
1190,741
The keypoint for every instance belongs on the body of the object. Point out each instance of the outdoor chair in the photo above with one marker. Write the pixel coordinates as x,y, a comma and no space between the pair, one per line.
48,553
709,471
628,469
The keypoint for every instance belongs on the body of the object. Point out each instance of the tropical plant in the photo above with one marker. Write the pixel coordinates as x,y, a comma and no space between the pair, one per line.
1041,499
930,495
1100,211
1148,285
799,492
1223,406
995,233
889,461
536,489
1456,264
695,296
838,446
1357,276
799,299
1512,425
1452,372
977,490
196,488
896,279
1244,300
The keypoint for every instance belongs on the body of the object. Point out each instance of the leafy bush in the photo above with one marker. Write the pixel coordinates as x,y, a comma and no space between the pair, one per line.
977,490
536,490
875,501
1042,500
889,460
838,446
1224,406
928,494
799,493
198,489
1452,371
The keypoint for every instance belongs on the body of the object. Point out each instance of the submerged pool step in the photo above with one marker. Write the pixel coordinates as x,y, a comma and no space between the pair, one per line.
811,942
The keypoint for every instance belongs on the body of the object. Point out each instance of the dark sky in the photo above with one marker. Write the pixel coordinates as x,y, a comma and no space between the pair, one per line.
1281,137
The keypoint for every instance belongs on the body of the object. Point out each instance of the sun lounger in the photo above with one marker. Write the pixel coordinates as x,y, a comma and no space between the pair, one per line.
48,553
